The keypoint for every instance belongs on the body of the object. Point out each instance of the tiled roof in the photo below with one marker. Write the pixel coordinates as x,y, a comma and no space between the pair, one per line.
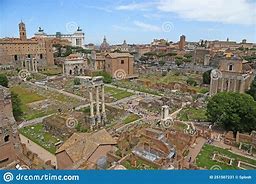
117,55
82,145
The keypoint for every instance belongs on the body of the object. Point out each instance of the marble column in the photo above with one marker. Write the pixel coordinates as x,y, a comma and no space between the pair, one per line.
92,119
32,65
222,84
229,82
26,64
211,86
36,69
63,69
235,81
29,65
103,111
241,90
97,105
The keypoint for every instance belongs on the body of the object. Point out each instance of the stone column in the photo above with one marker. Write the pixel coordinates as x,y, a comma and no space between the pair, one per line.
242,86
97,106
33,66
211,86
29,65
36,69
229,82
235,81
91,108
26,64
222,84
63,69
103,111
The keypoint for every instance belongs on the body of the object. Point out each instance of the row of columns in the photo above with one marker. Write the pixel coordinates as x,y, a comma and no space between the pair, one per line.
30,65
99,117
215,85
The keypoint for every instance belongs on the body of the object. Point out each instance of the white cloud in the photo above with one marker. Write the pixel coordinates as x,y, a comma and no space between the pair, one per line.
136,6
222,11
235,11
147,27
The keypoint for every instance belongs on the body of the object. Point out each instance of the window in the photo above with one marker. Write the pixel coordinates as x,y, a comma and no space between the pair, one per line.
28,55
230,67
6,138
122,61
15,57
41,56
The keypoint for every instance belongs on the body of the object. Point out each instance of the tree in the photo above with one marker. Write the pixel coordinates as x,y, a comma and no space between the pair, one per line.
207,77
190,81
77,81
106,76
252,90
178,62
3,80
16,106
232,111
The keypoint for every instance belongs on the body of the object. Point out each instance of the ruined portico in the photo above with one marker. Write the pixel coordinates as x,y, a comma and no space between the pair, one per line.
94,86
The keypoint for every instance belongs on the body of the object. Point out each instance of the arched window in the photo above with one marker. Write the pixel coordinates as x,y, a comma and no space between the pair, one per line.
70,72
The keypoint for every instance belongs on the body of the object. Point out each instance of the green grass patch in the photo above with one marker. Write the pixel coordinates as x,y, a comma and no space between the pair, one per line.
204,158
193,114
38,114
117,93
26,96
40,136
130,118
52,71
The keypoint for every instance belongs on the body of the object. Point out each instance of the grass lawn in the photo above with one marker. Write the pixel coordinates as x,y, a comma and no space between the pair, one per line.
130,118
52,71
192,114
38,114
204,158
117,93
40,136
26,96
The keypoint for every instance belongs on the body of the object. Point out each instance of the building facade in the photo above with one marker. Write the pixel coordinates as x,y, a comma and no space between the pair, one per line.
15,51
76,39
75,65
233,75
119,65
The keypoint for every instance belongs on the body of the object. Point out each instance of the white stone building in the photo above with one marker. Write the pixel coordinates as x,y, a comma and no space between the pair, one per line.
76,39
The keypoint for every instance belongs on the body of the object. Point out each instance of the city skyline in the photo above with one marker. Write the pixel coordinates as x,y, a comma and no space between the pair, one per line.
136,22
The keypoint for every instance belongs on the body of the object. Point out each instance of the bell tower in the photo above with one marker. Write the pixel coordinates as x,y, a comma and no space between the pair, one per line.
22,30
